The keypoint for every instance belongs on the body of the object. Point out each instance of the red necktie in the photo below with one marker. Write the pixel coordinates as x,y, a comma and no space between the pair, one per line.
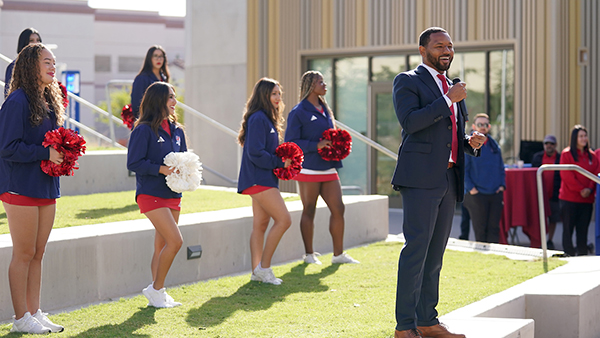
452,118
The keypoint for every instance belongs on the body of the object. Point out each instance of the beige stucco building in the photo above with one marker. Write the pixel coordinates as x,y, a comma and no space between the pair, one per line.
532,65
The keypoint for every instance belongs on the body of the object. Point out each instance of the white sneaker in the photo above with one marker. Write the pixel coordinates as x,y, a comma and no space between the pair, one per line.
312,258
43,319
158,298
265,275
29,324
344,258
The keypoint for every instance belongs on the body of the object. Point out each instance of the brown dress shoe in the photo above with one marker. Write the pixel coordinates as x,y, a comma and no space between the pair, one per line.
438,331
412,333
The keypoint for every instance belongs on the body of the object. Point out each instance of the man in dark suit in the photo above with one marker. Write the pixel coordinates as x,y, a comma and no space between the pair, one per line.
430,176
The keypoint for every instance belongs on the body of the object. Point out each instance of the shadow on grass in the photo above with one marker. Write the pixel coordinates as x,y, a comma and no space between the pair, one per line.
256,296
143,317
102,212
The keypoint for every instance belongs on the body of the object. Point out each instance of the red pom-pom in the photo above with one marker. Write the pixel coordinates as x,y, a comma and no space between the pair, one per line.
127,116
341,145
289,150
65,96
65,141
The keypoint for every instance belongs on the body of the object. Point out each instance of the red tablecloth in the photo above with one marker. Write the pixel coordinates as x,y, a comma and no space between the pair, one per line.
521,205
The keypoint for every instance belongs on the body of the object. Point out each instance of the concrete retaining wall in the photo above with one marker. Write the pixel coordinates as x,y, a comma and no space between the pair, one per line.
564,303
99,171
92,263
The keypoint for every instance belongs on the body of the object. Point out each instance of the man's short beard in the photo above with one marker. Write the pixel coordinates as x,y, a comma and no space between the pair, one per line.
437,64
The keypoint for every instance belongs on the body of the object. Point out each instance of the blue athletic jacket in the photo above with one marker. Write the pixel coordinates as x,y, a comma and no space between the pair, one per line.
146,154
305,127
21,150
140,84
258,156
8,77
486,173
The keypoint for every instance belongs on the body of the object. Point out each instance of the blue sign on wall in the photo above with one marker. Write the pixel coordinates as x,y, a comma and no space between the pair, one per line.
72,81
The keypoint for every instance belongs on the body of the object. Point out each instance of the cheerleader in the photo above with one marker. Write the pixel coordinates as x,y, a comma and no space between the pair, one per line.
32,108
27,36
306,123
155,68
156,134
259,135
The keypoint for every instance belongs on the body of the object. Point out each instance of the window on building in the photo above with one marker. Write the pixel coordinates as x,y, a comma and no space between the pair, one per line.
489,75
102,63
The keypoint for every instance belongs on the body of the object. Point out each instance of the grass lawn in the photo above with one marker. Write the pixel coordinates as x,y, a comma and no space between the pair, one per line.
121,206
313,301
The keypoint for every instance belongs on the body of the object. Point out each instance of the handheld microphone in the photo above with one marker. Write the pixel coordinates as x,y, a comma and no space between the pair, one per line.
465,116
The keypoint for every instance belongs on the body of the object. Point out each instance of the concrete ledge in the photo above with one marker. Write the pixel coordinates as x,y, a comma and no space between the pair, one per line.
492,327
99,171
564,303
92,263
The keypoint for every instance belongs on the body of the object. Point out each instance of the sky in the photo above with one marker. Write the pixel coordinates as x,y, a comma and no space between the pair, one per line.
163,7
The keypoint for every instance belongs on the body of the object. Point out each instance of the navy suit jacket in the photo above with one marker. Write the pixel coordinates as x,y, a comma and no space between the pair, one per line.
427,133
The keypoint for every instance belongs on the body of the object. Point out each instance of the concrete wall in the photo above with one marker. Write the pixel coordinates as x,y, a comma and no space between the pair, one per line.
99,171
92,263
564,303
215,80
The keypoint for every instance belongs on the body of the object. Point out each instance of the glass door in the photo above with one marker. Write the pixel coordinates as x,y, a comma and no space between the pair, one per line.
386,131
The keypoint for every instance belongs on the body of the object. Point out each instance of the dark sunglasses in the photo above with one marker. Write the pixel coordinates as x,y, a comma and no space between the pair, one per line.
479,125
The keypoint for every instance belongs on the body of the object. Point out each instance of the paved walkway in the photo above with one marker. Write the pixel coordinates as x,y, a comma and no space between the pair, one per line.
522,239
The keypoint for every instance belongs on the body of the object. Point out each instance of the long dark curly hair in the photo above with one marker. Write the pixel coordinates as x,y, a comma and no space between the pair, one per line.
153,108
26,75
147,66
261,100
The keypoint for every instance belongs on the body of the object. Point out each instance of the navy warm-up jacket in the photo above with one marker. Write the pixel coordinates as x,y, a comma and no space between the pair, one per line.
258,156
21,150
305,127
140,84
146,154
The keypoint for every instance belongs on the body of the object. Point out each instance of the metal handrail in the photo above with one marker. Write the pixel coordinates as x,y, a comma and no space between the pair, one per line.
368,141
93,132
540,192
111,118
216,173
5,58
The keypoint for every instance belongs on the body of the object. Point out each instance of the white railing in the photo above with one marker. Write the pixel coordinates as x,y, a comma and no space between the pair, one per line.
540,192
111,119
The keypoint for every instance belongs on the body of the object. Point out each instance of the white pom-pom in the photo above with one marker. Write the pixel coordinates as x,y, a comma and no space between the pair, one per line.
188,171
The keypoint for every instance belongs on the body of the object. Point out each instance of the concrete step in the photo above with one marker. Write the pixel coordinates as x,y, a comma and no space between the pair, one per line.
492,327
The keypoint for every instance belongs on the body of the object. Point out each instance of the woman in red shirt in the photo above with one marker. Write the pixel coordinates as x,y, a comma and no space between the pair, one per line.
577,192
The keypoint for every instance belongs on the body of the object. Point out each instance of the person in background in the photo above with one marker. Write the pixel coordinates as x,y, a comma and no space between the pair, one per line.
551,183
155,134
484,185
430,176
33,107
306,123
27,36
259,136
576,193
155,68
